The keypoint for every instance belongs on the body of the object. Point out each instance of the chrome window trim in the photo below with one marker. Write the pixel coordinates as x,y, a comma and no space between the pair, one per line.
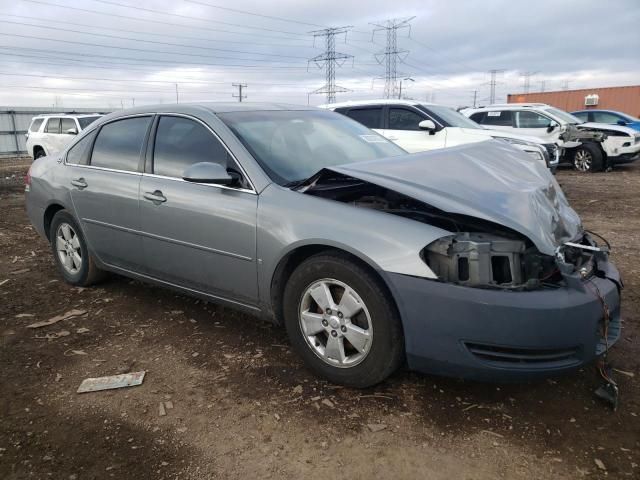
176,179
113,170
242,170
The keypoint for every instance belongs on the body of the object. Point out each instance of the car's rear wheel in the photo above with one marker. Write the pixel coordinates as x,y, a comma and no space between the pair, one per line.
588,157
342,322
70,251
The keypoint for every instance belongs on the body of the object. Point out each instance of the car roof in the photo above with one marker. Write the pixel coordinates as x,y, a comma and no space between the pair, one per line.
382,101
71,115
506,106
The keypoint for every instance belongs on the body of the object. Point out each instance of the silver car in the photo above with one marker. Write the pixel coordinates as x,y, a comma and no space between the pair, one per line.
465,261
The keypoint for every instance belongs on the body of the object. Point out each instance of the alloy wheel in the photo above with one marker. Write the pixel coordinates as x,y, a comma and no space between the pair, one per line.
335,323
582,160
68,247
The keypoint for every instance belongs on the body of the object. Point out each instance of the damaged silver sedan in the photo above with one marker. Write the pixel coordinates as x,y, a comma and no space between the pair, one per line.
465,262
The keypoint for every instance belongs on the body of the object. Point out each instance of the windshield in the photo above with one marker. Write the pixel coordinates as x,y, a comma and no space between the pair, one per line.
293,145
566,117
86,121
449,117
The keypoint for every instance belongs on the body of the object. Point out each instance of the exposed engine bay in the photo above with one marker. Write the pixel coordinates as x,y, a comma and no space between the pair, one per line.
574,133
478,253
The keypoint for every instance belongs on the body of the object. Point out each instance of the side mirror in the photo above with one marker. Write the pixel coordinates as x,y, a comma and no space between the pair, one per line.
207,172
427,125
71,131
622,123
552,126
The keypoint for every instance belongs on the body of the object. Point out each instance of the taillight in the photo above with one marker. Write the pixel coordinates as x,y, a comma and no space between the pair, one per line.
27,180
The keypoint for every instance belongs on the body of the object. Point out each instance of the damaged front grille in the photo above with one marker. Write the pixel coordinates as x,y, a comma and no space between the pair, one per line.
524,357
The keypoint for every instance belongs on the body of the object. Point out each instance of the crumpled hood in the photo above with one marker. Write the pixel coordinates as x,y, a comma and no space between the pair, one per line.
487,180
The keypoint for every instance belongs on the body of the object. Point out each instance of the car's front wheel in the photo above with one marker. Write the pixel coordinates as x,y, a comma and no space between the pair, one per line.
588,157
70,251
341,320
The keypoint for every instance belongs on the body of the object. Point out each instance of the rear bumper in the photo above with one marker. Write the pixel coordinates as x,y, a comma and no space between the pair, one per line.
496,335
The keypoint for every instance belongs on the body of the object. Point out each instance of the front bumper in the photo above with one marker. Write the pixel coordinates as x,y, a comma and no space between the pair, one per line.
497,335
624,158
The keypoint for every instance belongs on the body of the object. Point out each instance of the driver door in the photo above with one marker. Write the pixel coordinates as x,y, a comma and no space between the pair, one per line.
198,236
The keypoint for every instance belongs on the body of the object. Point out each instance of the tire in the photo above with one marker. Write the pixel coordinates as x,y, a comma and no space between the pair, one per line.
375,328
39,153
588,157
65,242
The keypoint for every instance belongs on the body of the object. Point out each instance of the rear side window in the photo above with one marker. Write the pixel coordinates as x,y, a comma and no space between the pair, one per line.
496,118
181,142
79,153
605,117
35,125
369,117
68,124
119,143
86,121
404,119
584,116
53,125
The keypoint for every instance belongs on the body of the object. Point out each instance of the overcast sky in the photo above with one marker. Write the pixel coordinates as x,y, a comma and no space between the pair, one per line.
112,53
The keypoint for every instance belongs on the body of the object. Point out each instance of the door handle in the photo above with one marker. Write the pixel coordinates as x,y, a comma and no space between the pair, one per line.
156,197
79,183
392,137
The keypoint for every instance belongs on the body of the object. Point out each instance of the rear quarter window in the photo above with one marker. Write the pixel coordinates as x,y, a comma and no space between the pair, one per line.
79,153
35,124
497,118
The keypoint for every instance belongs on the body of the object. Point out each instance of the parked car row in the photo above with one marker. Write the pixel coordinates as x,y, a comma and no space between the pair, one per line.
418,127
464,261
589,146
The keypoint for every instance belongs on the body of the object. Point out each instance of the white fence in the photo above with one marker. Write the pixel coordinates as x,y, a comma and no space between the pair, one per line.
15,121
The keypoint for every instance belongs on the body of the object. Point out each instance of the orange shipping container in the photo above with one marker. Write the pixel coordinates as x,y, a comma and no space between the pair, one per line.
622,99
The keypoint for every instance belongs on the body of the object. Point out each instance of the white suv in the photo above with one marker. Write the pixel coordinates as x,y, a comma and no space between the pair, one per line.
588,146
49,134
417,127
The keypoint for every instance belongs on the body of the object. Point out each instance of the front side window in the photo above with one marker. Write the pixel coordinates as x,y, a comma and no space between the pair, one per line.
119,144
448,116
291,146
79,153
67,124
496,118
529,119
181,142
369,117
53,125
404,119
35,125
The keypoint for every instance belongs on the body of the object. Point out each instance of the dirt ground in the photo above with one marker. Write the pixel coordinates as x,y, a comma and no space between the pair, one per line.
243,405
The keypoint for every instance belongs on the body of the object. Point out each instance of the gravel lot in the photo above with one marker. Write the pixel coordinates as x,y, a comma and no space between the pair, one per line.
243,405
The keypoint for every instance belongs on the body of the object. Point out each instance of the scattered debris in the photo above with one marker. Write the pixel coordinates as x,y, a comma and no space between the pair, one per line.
3,282
82,330
58,377
21,271
168,405
25,315
53,336
76,352
56,319
297,389
474,405
161,409
327,402
625,373
111,382
600,464
492,433
277,417
376,427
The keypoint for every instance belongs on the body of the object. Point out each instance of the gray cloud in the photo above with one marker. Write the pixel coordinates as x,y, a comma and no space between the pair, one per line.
132,54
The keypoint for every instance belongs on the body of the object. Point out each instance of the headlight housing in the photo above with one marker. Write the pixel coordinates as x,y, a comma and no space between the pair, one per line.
538,152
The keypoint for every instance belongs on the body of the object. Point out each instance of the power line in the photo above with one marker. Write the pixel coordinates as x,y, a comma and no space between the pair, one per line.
147,20
492,85
527,80
390,55
240,86
164,52
329,60
163,35
188,17
93,34
244,12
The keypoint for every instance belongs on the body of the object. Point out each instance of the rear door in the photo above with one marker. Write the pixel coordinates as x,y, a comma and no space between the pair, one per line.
532,123
495,119
105,190
196,235
402,129
370,117
51,138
